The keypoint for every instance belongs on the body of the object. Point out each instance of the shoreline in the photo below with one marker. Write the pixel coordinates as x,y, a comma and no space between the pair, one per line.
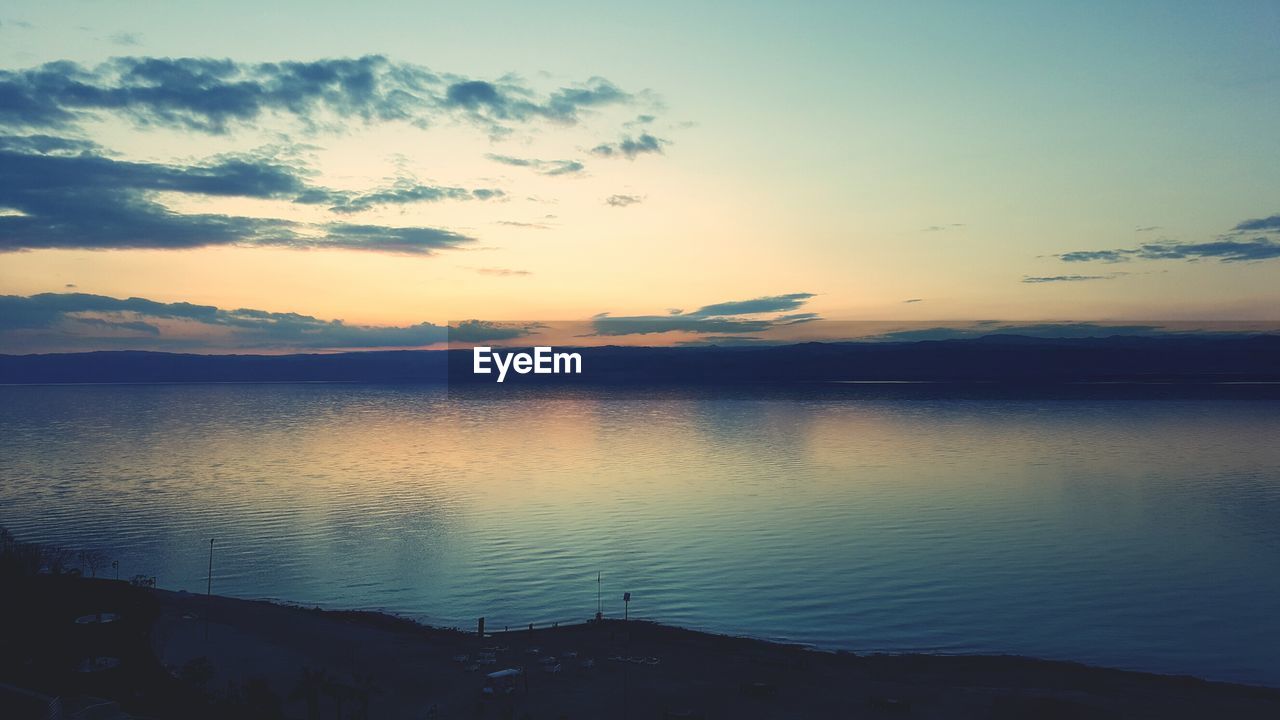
222,656
378,615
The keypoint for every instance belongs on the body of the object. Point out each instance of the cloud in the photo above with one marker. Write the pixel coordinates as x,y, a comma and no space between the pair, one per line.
1110,256
501,272
496,102
1148,228
652,324
1266,224
623,200
404,192
796,318
1068,278
469,331
79,321
942,228
716,319
528,225
542,167
214,95
473,94
406,240
774,303
630,147
912,300
1225,250
720,340
59,191
126,39
65,193
145,328
1041,330
1231,247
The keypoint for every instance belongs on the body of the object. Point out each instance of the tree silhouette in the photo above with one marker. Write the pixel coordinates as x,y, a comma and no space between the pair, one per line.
92,561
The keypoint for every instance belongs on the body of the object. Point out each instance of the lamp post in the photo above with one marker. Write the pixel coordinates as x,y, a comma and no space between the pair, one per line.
626,606
208,593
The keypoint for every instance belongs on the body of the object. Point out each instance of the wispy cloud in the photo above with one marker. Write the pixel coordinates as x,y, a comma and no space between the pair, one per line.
943,228
496,103
718,318
126,39
723,340
1228,250
1109,256
1068,278
755,306
542,167
501,272
640,120
1233,246
986,328
623,200
471,331
402,192
631,147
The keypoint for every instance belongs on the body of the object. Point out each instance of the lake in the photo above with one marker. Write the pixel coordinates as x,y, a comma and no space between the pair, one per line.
1127,527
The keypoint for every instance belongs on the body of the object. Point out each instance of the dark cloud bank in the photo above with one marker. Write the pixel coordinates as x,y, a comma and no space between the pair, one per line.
58,190
214,95
69,194
79,321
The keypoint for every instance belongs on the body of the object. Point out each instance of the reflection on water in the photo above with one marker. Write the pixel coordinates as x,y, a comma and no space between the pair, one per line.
1137,532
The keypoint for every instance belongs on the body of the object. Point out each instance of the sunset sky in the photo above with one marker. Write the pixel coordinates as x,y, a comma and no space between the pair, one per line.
399,166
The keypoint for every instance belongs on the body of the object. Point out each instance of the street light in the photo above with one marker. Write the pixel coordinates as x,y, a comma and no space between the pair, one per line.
208,593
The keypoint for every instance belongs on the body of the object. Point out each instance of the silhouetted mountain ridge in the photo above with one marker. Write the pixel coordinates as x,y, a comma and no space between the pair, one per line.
1008,358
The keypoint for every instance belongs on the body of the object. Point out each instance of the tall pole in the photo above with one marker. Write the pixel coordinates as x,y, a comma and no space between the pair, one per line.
208,592
599,607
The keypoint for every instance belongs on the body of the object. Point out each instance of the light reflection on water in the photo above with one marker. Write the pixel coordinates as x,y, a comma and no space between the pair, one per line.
1131,532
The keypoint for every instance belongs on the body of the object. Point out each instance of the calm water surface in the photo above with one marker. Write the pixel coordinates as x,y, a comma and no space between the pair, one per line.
1135,532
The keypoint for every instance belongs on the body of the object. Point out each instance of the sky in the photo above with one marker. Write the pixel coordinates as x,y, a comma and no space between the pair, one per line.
283,176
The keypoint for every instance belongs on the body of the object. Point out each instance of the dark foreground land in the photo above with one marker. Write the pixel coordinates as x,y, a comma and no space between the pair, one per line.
262,660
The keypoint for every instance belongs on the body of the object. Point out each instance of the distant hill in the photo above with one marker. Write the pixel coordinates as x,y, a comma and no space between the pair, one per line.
996,358
158,367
